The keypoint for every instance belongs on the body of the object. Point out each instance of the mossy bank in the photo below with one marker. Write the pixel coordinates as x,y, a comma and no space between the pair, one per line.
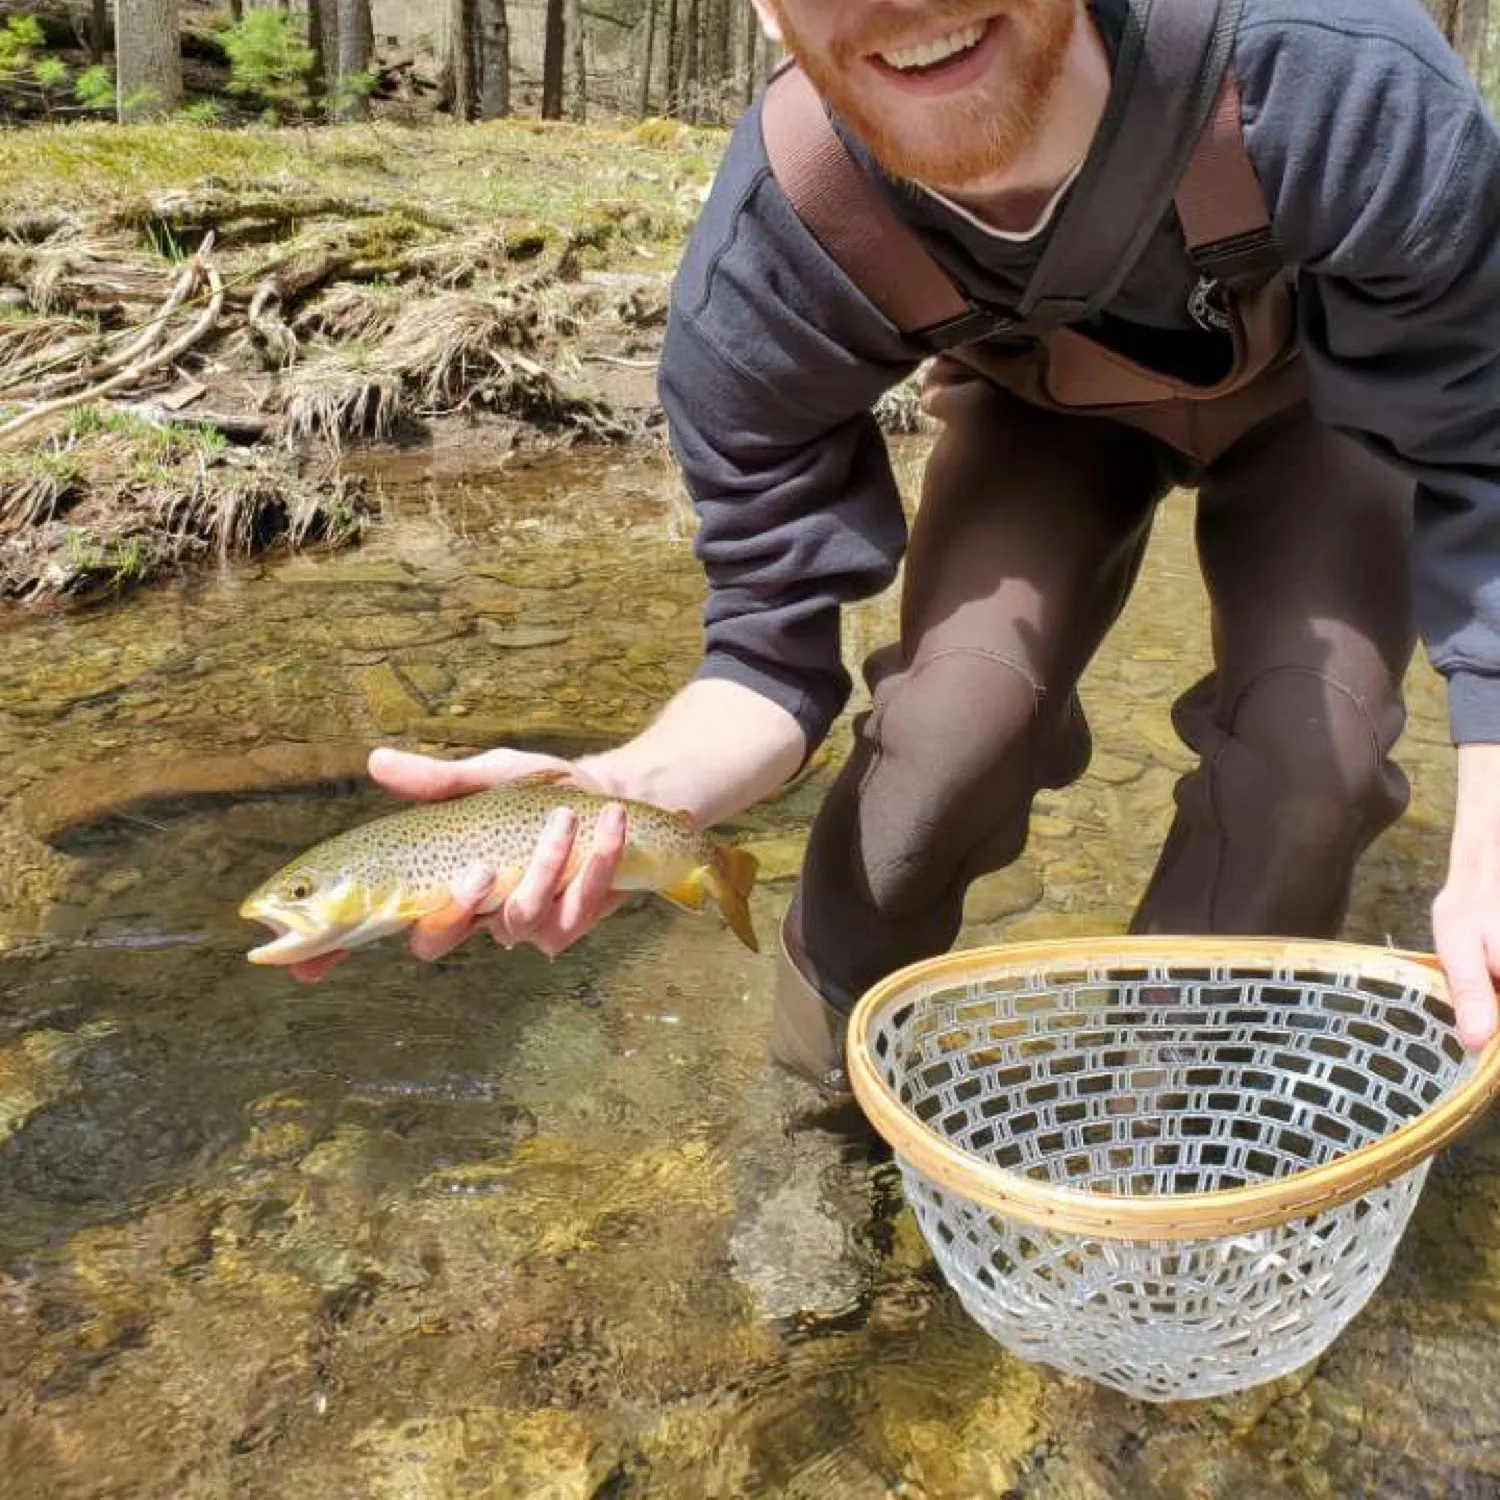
199,326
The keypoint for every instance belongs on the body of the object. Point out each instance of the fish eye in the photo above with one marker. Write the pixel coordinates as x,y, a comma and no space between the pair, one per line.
299,887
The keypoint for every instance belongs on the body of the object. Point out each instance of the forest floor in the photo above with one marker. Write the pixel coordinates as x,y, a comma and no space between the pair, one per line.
197,325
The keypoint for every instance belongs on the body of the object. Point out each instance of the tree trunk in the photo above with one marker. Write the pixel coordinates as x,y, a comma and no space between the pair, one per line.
328,33
645,100
1470,32
236,11
147,60
579,103
494,59
552,61
722,61
356,44
98,31
750,30
317,40
673,77
692,39
461,58
1465,23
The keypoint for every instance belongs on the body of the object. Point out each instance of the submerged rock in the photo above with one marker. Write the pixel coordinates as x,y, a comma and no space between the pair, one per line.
798,1239
482,1451
1007,893
391,706
778,859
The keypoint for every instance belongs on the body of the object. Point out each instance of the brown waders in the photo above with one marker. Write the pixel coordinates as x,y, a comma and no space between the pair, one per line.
1035,512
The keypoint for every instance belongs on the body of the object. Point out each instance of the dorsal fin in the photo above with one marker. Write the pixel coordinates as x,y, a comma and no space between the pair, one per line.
546,777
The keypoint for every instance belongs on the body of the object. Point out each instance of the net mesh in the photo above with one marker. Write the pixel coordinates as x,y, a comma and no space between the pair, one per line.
1163,1080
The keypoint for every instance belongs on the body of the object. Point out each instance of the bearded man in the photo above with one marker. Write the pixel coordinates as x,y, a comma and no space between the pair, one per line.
1340,423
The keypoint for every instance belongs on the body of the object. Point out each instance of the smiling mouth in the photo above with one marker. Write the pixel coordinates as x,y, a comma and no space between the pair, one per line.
932,57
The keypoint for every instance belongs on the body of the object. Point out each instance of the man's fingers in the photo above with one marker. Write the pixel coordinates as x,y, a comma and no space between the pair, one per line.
524,909
427,779
562,931
1466,960
587,899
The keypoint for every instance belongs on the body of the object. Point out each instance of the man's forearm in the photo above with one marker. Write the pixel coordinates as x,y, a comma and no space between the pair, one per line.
1475,849
715,750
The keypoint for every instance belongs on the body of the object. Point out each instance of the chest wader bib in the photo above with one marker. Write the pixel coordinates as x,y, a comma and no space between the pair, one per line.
1036,509
1137,172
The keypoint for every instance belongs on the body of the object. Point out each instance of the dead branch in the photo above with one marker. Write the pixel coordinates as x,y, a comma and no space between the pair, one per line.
624,364
147,337
270,333
236,216
144,366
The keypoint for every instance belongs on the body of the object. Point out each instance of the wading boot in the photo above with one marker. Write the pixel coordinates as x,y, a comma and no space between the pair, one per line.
807,1033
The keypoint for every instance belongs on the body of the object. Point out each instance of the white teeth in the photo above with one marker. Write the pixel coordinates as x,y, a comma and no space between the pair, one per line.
935,52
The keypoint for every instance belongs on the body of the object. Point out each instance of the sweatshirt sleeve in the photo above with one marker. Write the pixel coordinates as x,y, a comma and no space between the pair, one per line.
1382,169
771,366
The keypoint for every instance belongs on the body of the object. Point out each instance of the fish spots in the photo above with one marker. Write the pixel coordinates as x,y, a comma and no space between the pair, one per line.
402,863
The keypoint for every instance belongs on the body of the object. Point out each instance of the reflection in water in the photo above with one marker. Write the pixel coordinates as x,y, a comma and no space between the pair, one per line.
506,1227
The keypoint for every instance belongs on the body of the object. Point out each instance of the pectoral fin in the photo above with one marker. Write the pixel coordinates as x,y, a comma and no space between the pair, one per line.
443,922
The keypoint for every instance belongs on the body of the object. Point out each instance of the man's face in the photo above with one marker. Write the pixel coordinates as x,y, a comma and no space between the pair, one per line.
944,92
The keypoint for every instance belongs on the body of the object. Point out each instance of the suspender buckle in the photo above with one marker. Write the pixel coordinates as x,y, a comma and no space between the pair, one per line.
972,326
1207,306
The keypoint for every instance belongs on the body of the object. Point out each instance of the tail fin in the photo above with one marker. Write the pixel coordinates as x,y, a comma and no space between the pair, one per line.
730,878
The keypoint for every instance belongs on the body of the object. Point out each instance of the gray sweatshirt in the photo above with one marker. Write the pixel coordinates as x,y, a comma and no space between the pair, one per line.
1381,169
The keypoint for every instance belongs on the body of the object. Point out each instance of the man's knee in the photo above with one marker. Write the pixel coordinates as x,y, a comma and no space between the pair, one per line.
956,746
1310,757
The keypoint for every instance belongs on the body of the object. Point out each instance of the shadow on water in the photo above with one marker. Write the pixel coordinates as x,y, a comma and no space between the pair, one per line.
506,1227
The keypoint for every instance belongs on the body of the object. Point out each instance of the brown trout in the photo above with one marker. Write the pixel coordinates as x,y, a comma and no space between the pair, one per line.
396,871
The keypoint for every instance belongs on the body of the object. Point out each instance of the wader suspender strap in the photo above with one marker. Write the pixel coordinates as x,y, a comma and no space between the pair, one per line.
845,213
1172,61
1222,209
1219,200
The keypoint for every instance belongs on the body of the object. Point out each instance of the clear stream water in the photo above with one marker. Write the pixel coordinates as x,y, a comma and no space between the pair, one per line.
505,1227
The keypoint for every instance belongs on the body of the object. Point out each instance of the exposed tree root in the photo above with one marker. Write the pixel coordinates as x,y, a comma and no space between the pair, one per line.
34,490
335,397
145,340
301,321
276,343
235,426
150,354
27,342
235,216
118,500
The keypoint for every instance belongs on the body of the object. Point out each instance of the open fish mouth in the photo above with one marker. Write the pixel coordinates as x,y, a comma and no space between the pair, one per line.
289,944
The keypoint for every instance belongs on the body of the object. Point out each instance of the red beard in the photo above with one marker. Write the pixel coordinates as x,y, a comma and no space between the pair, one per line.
945,142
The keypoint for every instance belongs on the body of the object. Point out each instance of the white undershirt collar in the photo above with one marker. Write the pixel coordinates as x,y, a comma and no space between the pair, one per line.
1015,236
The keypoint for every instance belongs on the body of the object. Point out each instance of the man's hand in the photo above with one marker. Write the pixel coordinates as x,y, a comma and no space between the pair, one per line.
541,910
1466,914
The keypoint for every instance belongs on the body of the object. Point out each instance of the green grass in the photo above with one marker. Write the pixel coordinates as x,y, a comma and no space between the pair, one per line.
509,169
62,469
161,438
84,165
